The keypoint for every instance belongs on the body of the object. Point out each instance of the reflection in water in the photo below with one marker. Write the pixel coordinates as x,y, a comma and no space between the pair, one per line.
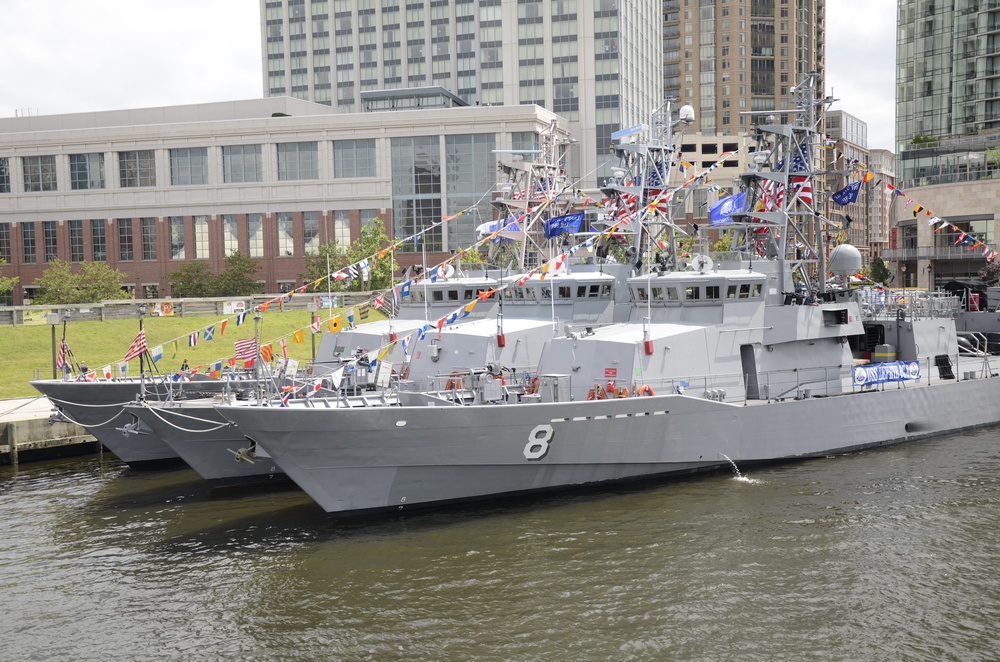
879,555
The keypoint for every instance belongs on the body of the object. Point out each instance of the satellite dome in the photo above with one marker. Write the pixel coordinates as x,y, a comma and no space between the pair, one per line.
844,260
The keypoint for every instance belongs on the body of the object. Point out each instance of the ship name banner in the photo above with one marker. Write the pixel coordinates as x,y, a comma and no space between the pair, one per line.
884,373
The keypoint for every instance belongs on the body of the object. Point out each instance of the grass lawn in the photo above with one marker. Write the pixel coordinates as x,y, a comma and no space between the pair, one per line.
27,349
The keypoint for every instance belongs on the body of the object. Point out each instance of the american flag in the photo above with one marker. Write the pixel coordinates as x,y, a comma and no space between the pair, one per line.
138,346
61,356
246,349
774,193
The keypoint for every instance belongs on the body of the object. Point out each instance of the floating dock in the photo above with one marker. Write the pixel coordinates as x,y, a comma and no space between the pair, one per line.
30,429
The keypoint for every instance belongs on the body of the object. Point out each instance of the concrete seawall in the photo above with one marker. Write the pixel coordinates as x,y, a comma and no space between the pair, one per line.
26,433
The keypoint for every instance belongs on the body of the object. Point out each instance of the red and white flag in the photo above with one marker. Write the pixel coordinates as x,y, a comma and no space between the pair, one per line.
61,356
246,349
138,346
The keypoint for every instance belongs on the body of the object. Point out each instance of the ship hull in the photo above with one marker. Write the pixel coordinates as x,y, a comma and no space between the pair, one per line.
400,457
205,440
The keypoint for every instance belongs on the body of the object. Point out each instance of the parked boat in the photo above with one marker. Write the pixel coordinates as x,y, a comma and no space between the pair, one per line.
722,360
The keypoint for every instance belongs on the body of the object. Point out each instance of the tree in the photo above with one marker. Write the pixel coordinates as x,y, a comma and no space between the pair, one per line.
6,284
372,240
993,156
95,281
238,279
990,274
193,279
879,272
330,258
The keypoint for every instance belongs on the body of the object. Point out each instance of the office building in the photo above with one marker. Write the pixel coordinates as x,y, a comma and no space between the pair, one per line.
596,63
145,190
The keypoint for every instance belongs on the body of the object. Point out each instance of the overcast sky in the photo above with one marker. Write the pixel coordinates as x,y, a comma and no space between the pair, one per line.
67,56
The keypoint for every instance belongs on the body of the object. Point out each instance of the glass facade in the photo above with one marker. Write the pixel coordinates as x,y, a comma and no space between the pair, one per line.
28,243
201,245
286,235
298,161
76,241
230,234
39,173
416,190
255,234
471,170
86,171
136,168
353,158
310,232
148,226
50,240
177,238
189,166
99,240
126,245
242,163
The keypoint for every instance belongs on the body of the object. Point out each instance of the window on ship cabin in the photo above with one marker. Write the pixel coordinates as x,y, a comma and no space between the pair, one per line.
731,292
606,291
546,293
581,292
712,292
437,295
657,294
564,292
641,292
757,290
467,295
692,294
452,295
745,291
673,294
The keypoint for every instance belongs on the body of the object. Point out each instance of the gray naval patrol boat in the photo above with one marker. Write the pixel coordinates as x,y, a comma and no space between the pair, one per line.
723,360
218,451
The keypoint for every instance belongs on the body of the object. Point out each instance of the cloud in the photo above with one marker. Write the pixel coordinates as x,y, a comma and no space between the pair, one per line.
861,64
68,57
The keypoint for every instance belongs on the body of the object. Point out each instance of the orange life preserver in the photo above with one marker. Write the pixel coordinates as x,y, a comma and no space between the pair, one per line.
645,389
622,392
591,394
454,382
532,386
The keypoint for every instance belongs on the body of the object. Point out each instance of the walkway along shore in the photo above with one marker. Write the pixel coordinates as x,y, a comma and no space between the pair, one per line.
27,433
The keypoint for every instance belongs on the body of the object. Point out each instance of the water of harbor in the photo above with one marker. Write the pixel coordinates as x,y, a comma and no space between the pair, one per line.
882,555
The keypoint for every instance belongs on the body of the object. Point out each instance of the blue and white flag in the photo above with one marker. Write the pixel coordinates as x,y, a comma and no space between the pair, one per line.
157,353
568,223
210,333
720,212
422,331
241,318
404,289
848,194
365,272
350,316
405,342
353,271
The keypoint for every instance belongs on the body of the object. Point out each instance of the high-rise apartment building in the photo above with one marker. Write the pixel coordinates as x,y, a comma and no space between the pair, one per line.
947,116
729,56
596,63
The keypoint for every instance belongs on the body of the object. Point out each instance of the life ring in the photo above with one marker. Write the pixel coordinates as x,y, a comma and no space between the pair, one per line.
645,389
166,308
454,382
